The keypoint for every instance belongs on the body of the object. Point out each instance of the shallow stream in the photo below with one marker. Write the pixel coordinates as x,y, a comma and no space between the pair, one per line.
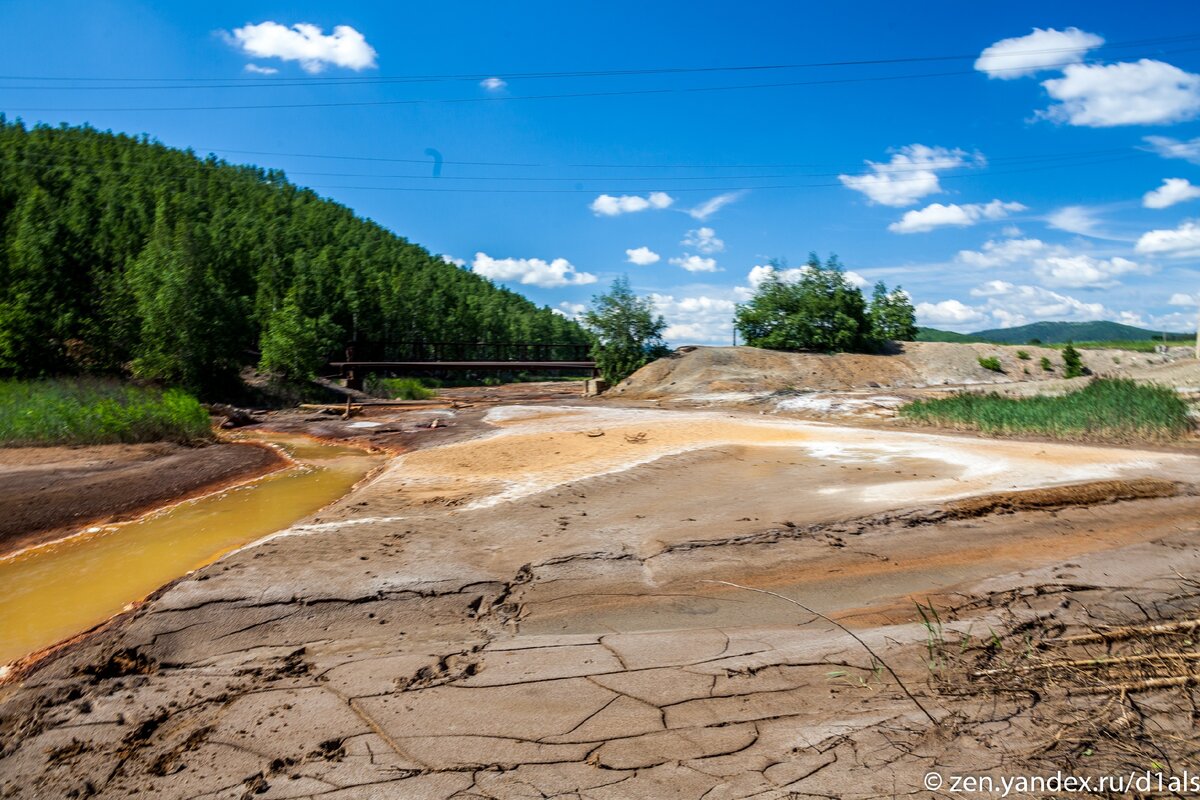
52,592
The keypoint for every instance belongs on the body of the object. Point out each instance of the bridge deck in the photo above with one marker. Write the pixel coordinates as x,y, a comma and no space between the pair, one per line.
463,364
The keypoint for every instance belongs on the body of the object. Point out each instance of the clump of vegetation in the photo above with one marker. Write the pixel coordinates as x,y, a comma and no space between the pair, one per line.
819,309
992,363
50,412
1111,409
626,333
1023,355
398,388
1046,365
1072,362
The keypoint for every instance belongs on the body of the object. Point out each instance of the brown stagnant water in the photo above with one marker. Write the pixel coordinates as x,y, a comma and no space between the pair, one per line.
57,590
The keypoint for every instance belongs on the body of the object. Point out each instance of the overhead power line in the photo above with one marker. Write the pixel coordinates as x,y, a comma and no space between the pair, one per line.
419,78
174,173
497,98
1047,159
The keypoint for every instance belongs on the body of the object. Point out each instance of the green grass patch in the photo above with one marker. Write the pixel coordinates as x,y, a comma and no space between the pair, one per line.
398,388
1134,345
992,363
1107,409
67,411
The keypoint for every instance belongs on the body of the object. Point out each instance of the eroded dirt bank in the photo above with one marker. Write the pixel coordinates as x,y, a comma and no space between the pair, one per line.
531,614
46,492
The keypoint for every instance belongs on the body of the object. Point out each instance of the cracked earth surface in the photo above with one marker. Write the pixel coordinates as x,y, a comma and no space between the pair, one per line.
531,613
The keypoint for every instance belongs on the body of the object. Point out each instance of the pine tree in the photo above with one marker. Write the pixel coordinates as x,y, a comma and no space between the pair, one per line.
1072,362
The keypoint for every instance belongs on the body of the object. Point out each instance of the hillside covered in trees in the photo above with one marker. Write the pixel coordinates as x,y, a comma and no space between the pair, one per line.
119,255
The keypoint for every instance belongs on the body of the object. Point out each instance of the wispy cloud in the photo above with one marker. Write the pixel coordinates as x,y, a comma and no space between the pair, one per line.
715,204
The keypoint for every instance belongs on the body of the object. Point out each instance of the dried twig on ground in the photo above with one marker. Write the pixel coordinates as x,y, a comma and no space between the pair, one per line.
848,632
1128,632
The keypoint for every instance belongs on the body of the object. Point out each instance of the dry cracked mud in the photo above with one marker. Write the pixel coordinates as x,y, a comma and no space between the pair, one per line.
545,611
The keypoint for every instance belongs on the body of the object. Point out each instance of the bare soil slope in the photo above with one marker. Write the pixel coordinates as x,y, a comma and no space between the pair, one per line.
712,371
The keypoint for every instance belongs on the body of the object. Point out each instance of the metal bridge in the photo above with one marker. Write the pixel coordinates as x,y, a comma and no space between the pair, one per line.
363,358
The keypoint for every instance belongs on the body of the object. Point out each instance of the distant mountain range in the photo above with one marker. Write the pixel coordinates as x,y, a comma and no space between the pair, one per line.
1052,333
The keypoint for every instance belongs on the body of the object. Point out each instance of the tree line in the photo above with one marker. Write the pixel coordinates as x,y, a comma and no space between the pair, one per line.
816,309
119,255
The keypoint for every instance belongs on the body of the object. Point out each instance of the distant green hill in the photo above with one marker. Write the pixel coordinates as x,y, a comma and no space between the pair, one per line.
1057,332
1053,333
935,335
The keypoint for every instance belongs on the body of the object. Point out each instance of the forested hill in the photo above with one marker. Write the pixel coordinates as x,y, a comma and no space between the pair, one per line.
121,255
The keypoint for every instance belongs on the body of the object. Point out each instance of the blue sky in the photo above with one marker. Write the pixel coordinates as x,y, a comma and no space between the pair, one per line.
1055,178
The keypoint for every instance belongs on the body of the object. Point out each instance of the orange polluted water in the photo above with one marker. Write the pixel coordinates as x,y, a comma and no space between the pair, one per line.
55,591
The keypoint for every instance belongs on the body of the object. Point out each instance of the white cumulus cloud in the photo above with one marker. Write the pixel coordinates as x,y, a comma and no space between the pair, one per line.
937,215
257,69
493,84
1082,270
703,239
911,174
1173,190
695,320
694,263
1045,48
713,205
458,262
1053,264
1003,252
1181,299
950,313
608,206
1144,92
531,271
642,256
1181,242
308,44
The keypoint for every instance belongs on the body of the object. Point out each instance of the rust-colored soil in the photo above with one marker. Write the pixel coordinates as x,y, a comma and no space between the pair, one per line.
543,636
48,491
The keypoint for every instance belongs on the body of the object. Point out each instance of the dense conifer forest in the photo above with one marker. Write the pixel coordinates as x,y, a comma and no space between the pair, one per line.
121,256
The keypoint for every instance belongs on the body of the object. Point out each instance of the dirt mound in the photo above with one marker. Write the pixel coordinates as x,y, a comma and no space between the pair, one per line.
1055,497
707,371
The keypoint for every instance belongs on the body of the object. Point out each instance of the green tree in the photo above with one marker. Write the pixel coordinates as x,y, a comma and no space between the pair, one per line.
184,338
293,343
626,334
891,315
1072,362
31,316
821,310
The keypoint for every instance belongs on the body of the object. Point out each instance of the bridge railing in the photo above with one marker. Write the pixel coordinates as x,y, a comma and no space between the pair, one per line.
462,351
